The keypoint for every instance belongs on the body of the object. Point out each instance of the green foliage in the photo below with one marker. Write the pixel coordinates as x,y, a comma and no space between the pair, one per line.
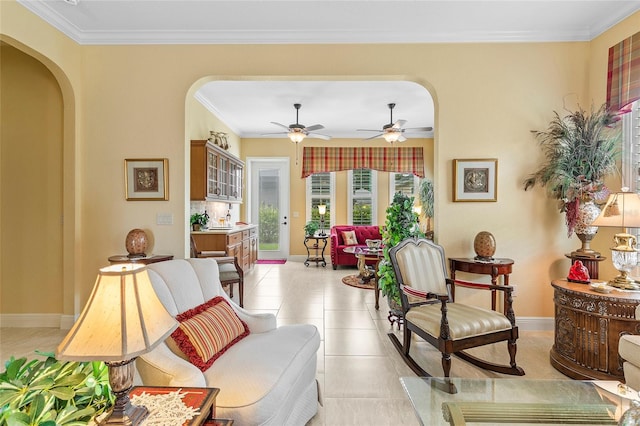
426,197
401,223
200,219
268,224
311,228
52,392
580,151
361,214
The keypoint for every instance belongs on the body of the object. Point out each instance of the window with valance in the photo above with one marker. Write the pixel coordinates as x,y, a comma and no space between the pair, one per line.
623,74
388,159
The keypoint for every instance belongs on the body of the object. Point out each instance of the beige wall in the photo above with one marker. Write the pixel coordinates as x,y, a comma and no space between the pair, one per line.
487,99
31,197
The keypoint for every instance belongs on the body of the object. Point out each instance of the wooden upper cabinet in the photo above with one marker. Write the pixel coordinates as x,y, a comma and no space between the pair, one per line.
216,175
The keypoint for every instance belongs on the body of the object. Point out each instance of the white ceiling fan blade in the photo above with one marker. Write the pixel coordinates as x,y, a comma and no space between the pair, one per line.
369,130
274,133
398,124
314,127
318,136
419,129
373,137
401,139
281,125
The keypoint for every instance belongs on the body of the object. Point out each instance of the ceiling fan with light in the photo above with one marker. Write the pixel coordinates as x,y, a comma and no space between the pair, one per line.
393,132
297,132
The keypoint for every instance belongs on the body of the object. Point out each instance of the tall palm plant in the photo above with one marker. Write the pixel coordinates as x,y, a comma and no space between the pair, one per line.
580,150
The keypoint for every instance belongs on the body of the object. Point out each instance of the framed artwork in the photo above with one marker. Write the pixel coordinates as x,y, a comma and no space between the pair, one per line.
146,179
475,179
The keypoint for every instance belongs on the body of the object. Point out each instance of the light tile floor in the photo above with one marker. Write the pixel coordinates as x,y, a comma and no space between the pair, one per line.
358,368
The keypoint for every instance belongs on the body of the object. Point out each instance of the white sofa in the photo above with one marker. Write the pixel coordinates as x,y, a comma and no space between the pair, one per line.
629,351
267,378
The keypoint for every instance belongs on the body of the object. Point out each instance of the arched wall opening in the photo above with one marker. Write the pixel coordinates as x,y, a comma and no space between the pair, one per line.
198,124
37,195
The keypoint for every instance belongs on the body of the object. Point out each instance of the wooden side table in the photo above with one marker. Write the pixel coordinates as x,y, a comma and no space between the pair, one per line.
495,268
153,258
204,399
313,244
588,326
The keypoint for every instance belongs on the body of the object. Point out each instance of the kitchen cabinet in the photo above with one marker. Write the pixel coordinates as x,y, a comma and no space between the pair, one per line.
216,175
240,242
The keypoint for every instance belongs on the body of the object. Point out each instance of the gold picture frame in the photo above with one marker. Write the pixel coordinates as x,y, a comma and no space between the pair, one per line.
146,179
475,179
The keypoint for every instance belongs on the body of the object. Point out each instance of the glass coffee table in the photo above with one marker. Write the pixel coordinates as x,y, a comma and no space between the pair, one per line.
367,274
516,401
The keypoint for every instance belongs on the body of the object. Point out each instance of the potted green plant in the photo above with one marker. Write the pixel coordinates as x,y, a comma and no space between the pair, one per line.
401,222
580,151
310,228
199,220
426,198
51,392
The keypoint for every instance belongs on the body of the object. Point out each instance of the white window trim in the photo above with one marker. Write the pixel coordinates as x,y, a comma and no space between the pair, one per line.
374,197
332,198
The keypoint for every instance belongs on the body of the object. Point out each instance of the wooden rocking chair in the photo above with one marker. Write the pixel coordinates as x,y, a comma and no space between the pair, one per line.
430,312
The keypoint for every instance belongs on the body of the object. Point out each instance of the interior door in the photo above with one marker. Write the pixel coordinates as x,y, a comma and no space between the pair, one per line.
268,200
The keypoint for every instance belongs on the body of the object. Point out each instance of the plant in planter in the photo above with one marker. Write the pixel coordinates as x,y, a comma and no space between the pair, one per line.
580,150
426,198
311,228
401,222
52,392
199,220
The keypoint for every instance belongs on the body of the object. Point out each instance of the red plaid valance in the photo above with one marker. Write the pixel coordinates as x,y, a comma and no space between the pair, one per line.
335,159
623,74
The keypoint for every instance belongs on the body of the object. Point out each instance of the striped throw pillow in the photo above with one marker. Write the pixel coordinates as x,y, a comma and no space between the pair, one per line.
207,331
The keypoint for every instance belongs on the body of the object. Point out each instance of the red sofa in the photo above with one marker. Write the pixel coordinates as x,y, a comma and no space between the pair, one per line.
363,233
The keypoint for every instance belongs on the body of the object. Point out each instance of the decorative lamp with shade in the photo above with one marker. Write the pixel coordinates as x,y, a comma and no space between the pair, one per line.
622,210
122,319
322,210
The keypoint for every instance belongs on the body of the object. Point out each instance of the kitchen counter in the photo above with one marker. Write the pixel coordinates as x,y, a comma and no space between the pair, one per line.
225,230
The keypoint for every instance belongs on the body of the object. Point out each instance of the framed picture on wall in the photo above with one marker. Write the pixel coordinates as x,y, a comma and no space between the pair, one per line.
146,179
475,179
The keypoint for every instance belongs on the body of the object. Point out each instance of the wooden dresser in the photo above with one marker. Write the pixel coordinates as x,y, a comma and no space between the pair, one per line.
239,241
588,326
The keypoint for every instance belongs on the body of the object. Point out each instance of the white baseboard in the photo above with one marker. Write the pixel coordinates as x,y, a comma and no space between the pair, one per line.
535,323
63,322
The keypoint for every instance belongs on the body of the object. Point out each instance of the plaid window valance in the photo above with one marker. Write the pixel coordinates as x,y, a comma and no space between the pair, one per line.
623,74
335,159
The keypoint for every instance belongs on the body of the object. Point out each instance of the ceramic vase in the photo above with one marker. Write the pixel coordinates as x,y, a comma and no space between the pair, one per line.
587,213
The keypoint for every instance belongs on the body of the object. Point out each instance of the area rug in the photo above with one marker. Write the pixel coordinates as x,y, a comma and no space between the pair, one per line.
271,261
354,281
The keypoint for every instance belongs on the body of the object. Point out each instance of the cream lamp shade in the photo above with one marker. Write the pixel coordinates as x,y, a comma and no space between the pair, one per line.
322,209
621,210
122,319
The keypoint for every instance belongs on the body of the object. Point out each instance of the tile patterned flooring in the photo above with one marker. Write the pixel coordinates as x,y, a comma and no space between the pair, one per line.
358,368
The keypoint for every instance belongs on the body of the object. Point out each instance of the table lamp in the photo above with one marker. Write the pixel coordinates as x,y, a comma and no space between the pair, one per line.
622,210
322,210
122,319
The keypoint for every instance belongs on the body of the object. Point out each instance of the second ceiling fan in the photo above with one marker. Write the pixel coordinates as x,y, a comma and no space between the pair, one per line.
394,131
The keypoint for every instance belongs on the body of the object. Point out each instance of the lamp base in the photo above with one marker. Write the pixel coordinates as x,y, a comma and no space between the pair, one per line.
121,381
622,281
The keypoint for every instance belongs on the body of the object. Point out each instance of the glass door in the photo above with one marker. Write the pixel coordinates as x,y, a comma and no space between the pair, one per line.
269,205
